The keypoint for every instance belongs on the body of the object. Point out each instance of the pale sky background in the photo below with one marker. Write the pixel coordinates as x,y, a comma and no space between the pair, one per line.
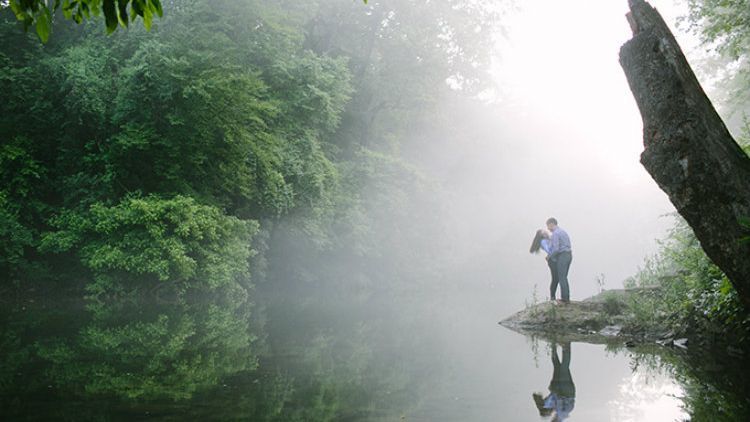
574,133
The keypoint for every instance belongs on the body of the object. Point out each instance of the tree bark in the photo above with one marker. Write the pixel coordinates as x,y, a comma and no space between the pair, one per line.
688,149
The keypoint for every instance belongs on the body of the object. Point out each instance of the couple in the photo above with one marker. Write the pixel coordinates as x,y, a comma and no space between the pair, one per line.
562,392
556,243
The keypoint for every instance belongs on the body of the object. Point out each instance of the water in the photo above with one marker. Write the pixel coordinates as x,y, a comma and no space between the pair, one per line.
447,360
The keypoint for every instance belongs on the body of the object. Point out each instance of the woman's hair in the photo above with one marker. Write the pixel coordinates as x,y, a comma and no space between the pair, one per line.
537,242
539,401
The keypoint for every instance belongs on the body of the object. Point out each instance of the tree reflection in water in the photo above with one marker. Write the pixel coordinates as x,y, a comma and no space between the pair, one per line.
133,350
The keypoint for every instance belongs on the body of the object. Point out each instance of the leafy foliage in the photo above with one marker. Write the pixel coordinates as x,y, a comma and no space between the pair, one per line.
116,12
724,26
693,293
235,123
237,143
19,172
725,23
405,57
151,239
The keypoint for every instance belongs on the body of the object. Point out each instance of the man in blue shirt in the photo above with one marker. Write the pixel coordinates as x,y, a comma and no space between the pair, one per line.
560,254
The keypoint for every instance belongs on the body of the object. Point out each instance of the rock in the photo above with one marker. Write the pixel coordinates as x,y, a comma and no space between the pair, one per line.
611,330
666,342
630,343
589,320
681,343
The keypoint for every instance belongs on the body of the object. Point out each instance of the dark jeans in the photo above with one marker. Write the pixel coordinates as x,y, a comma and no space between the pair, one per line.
559,266
562,381
553,284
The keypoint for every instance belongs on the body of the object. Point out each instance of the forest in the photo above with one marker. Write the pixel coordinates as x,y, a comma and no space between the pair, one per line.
193,177
236,150
184,153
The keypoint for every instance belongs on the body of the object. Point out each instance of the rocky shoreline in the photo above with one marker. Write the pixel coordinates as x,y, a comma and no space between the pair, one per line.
600,319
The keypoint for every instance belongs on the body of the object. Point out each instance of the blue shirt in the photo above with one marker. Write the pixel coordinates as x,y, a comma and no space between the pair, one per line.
546,245
562,405
560,242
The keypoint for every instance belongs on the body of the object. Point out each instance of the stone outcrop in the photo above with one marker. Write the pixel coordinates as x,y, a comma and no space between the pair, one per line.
605,318
688,150
598,319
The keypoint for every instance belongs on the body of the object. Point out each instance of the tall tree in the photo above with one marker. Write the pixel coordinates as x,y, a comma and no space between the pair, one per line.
688,149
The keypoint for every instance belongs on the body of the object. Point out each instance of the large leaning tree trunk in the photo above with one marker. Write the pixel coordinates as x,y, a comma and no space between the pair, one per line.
688,149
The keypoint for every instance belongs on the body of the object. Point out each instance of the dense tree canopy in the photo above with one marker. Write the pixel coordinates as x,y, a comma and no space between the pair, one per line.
238,148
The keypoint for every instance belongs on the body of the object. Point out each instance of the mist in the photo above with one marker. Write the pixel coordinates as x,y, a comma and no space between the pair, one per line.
559,136
555,133
292,211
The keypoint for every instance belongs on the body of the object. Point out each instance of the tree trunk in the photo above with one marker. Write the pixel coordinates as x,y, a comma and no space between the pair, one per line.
688,149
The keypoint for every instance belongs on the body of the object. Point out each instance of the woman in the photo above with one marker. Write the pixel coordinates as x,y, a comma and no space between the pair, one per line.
542,241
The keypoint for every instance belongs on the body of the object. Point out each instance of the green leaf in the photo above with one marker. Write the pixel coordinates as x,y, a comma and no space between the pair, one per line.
147,21
145,10
122,6
44,24
110,15
67,10
156,7
86,11
137,8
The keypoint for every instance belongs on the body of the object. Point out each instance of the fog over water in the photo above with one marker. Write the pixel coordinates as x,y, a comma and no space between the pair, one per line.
561,136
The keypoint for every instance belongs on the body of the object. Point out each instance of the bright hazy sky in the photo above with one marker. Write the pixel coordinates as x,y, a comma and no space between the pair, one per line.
561,63
577,137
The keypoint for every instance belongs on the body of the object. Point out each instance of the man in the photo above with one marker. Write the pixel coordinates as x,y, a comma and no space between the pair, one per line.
560,256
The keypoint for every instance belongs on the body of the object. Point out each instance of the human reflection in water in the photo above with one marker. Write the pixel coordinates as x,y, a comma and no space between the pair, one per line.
562,392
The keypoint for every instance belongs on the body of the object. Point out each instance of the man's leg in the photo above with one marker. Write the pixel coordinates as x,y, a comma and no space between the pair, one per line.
563,265
566,386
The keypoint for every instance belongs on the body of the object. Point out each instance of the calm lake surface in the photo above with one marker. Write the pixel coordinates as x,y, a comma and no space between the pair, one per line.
448,360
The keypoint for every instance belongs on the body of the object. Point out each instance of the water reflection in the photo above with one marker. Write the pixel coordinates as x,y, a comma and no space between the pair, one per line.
122,351
709,380
645,395
562,391
190,359
657,383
